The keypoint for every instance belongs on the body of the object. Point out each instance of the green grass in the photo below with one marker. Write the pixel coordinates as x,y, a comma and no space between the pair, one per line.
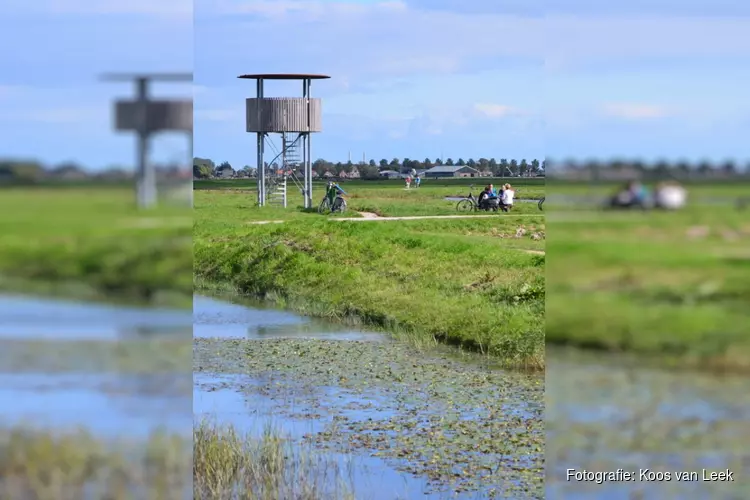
387,198
672,285
45,465
465,282
228,464
55,239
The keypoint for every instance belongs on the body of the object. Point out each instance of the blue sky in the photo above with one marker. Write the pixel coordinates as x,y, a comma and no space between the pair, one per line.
563,78
53,106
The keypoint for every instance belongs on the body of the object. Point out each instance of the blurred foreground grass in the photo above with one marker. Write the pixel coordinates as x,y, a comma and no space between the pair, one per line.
75,465
91,242
672,285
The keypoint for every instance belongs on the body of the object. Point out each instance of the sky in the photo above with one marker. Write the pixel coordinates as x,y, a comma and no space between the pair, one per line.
639,79
53,106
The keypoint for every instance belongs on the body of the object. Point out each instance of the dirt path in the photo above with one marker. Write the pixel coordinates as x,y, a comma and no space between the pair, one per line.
371,216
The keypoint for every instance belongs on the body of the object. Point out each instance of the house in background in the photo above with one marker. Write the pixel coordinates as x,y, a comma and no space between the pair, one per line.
390,174
452,171
224,172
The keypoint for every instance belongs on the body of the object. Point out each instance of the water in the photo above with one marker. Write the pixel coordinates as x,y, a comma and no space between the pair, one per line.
59,369
218,398
603,415
214,318
108,406
303,406
33,318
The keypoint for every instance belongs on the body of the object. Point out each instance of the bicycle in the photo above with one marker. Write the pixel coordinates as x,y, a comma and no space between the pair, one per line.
468,204
339,205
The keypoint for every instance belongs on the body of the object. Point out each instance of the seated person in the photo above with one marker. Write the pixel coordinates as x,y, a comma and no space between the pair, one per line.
486,193
670,196
507,197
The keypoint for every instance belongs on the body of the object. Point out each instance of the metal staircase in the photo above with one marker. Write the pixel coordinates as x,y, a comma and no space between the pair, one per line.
290,162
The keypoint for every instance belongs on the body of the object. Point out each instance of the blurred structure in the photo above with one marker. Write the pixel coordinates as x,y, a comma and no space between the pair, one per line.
295,118
146,117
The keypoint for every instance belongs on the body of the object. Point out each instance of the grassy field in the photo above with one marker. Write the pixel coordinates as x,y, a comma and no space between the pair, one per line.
672,285
387,198
477,283
91,241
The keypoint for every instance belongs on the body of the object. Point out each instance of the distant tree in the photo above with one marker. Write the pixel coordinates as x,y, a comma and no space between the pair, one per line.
395,164
438,161
460,162
203,168
513,167
427,163
729,168
369,172
504,167
523,168
493,166
449,162
535,166
372,163
202,171
406,165
383,164
704,167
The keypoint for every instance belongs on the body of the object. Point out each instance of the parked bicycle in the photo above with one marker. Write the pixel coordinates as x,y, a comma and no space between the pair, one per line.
339,205
468,204
486,204
333,201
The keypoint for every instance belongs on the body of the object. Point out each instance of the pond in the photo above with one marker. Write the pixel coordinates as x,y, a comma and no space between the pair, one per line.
409,424
606,414
67,364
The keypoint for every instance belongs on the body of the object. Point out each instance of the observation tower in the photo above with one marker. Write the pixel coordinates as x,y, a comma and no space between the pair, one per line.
146,117
294,119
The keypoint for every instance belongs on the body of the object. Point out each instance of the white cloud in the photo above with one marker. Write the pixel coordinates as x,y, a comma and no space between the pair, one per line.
634,111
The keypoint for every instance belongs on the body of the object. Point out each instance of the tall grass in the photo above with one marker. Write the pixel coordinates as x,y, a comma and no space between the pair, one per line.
230,465
74,465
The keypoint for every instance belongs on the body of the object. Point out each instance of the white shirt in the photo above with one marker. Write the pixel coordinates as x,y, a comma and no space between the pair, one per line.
671,197
508,195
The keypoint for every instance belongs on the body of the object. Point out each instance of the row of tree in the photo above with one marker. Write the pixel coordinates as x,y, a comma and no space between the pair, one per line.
204,168
31,172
